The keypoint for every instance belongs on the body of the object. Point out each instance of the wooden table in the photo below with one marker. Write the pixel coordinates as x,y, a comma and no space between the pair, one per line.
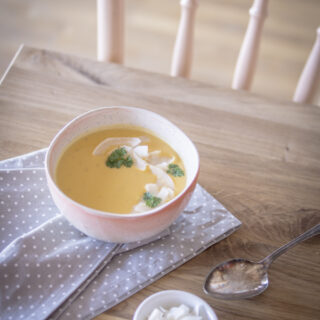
259,157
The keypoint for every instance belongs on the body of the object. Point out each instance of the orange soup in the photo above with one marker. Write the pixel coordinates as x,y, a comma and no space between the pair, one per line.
120,170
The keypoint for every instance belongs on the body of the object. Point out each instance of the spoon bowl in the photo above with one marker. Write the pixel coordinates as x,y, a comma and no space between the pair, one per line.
236,279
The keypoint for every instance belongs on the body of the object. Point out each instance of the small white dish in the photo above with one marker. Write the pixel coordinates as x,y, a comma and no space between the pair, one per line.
174,298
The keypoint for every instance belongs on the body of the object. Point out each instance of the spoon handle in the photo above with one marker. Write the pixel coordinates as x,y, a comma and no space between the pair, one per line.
275,254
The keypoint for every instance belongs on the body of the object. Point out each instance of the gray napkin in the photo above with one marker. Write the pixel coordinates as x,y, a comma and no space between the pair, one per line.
48,269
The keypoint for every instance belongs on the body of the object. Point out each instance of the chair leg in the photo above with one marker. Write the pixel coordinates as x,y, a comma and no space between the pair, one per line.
247,58
110,30
310,75
182,53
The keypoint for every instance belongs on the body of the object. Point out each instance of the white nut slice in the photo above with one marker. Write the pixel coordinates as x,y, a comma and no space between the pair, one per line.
105,144
141,151
163,179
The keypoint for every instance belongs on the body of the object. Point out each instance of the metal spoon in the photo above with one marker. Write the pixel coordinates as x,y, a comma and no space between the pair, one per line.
240,278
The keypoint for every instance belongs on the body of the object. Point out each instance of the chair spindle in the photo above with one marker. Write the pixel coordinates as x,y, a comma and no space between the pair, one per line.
310,76
248,55
183,49
110,30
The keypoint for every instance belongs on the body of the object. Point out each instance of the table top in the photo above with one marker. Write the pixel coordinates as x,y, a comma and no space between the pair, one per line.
259,157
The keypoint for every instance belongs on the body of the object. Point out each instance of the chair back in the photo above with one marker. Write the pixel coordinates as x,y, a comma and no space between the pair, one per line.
110,45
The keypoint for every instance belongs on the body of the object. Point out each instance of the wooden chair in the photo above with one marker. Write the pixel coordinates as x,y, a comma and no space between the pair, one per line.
110,34
248,55
110,16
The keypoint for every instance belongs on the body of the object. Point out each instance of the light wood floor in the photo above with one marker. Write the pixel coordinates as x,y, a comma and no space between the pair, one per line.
70,26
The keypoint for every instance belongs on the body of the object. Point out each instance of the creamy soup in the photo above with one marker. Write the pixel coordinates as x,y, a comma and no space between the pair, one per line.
121,170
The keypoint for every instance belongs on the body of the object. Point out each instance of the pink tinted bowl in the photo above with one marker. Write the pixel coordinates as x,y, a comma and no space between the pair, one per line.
115,227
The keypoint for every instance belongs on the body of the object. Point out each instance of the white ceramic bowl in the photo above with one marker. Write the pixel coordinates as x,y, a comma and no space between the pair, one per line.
116,227
174,298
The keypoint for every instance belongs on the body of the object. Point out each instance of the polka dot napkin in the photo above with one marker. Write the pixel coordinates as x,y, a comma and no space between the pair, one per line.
48,269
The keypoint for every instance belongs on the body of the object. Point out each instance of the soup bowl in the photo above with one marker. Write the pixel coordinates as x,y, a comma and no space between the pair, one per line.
119,227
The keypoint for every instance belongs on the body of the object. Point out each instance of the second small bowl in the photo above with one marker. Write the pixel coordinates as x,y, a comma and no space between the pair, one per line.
174,298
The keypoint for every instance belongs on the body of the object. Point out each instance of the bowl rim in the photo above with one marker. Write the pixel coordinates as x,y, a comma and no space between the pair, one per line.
101,213
177,293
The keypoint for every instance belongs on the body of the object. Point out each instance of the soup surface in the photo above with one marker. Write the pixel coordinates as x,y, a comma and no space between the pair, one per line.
93,172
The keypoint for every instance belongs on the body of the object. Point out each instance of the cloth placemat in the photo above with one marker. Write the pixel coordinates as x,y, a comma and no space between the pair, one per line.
48,269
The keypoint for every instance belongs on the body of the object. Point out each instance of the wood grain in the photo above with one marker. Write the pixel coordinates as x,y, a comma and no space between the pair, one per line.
151,27
259,157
